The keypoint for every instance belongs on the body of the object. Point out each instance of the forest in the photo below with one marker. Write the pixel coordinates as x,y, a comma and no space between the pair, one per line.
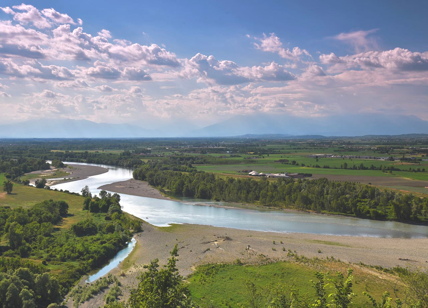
34,234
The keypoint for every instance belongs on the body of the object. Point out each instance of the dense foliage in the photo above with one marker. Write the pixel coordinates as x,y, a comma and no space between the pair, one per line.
319,195
14,168
32,233
23,289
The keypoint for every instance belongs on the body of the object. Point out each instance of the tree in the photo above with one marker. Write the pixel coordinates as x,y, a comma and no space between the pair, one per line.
63,208
7,186
40,183
12,297
161,288
15,235
103,194
86,192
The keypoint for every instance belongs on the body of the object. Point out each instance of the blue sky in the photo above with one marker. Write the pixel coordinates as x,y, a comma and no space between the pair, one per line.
152,60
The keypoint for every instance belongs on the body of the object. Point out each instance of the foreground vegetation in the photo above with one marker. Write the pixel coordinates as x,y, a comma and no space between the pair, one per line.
275,285
47,244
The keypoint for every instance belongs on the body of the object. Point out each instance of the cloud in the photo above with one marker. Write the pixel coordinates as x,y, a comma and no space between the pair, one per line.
132,73
76,84
48,94
313,71
397,59
58,17
105,34
225,72
17,41
105,88
29,15
101,71
135,90
5,95
358,39
273,44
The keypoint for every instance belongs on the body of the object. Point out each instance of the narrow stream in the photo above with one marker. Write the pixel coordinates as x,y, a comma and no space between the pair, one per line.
121,255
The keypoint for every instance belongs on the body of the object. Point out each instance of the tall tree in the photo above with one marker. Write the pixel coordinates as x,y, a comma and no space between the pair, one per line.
7,186
161,288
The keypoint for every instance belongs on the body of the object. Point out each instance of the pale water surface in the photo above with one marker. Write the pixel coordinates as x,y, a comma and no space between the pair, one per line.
165,212
121,255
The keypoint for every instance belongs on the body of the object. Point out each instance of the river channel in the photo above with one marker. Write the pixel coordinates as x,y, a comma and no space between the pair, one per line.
164,212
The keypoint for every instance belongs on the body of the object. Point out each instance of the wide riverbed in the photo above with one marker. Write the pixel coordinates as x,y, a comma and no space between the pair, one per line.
165,212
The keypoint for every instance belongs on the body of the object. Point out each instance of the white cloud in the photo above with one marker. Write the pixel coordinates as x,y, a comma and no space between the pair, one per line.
105,88
29,14
57,17
273,44
132,73
225,72
105,34
398,59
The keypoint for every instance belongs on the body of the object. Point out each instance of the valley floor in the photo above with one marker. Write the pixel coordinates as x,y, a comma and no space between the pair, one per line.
205,244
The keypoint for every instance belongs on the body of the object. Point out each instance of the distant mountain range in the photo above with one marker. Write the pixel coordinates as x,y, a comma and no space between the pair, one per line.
67,128
355,125
250,126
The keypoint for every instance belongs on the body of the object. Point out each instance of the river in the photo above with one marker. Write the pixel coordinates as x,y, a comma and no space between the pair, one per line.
166,212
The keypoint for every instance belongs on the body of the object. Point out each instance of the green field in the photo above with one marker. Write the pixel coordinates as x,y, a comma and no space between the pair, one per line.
27,196
224,285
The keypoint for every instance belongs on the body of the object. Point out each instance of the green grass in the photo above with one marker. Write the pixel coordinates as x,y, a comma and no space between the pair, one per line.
225,285
27,196
233,169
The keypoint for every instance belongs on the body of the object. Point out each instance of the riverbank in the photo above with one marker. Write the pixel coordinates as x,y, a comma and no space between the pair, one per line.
205,244
77,173
135,188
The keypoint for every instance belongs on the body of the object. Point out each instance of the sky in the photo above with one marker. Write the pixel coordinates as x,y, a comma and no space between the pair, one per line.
194,63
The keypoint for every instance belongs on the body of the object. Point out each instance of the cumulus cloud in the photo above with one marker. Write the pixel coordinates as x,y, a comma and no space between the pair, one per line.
4,95
101,71
28,14
57,17
398,59
314,71
15,40
48,94
225,72
132,73
105,88
105,34
273,44
88,66
76,84
135,90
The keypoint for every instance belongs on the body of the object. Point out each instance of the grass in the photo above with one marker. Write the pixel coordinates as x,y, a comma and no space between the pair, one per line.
224,285
266,163
27,196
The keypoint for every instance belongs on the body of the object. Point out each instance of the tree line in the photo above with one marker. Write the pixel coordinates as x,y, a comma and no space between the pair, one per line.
319,195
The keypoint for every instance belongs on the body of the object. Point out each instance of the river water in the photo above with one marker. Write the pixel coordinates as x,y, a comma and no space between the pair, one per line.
165,212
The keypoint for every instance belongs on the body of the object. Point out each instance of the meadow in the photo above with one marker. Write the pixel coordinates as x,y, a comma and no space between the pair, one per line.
226,285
